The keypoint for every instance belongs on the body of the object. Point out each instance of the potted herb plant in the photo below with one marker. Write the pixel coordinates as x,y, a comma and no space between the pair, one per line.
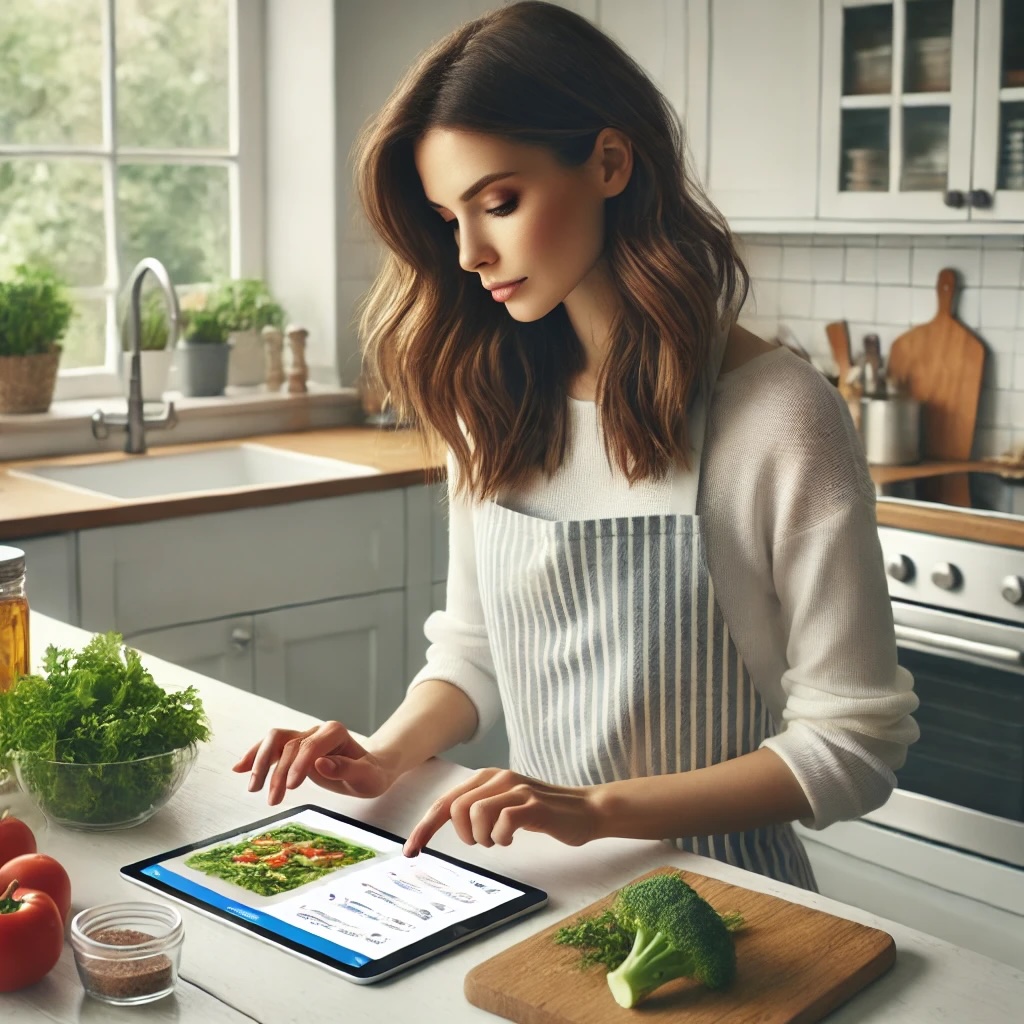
245,306
34,315
204,351
155,353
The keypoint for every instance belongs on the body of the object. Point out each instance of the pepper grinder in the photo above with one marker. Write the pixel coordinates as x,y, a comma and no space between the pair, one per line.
299,372
273,342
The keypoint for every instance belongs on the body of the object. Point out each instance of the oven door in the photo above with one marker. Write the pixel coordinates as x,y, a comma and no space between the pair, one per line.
963,781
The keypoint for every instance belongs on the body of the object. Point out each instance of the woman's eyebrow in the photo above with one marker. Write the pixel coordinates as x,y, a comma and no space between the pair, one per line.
474,189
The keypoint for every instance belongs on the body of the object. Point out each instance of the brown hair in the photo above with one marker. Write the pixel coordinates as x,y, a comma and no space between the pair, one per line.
537,74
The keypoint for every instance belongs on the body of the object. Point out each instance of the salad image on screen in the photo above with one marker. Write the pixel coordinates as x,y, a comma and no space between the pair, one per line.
279,860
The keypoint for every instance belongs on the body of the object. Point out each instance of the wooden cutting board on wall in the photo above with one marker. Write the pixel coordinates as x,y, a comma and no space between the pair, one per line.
794,966
941,364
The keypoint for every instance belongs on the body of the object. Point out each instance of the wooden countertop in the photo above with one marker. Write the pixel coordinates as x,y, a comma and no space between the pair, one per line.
34,507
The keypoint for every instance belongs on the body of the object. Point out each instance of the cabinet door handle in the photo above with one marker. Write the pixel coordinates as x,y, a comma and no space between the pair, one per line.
240,639
980,199
955,198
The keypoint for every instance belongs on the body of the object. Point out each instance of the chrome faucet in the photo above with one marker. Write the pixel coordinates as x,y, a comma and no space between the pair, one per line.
136,421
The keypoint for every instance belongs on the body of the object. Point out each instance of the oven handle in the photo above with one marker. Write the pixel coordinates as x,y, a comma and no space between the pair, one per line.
959,645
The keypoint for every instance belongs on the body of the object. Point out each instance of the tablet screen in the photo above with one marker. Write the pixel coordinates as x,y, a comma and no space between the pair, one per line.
337,891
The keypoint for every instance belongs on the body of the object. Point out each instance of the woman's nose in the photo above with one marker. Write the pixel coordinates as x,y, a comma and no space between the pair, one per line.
473,253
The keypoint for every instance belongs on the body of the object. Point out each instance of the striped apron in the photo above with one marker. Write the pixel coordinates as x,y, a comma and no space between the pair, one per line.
614,661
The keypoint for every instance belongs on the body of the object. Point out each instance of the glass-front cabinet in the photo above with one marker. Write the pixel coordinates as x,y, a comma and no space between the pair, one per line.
923,110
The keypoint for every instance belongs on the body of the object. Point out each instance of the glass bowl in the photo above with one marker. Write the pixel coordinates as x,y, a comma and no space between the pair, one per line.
128,953
100,797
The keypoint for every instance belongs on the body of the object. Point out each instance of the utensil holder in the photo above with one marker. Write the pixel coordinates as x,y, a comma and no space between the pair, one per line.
890,427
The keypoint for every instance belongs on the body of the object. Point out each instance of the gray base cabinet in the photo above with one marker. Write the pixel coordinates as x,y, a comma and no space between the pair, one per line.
336,659
340,659
51,565
220,649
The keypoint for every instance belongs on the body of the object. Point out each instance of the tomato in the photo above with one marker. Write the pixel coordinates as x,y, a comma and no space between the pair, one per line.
31,936
16,838
38,871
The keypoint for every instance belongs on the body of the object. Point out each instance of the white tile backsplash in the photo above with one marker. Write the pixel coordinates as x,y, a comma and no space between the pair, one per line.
998,307
1001,268
862,265
885,285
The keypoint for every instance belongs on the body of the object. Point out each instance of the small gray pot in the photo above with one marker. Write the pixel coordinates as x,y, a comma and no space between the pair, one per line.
204,368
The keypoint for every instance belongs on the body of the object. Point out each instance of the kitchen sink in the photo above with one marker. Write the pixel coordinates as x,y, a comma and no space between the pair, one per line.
231,468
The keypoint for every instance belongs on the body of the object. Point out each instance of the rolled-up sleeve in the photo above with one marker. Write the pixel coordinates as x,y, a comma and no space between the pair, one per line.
459,651
846,719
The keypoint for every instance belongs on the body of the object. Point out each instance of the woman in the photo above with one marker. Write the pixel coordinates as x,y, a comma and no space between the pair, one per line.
664,561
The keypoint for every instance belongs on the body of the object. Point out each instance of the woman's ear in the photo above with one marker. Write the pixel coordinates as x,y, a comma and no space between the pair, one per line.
612,160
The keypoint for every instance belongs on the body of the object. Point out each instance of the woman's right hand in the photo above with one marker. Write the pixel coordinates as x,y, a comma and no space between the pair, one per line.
328,754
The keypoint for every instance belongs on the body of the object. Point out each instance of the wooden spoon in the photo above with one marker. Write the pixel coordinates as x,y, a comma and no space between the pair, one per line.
839,340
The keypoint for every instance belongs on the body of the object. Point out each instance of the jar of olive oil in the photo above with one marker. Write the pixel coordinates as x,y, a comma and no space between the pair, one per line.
14,652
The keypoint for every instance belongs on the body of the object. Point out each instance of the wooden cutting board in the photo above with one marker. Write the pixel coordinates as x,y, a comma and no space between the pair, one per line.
941,364
794,965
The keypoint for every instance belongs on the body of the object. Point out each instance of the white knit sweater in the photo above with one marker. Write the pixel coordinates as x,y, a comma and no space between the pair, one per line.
788,512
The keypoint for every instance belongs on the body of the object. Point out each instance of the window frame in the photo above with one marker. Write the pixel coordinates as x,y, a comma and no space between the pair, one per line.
243,158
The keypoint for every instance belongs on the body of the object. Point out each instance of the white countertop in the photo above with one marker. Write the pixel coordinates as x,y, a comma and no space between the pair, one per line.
229,976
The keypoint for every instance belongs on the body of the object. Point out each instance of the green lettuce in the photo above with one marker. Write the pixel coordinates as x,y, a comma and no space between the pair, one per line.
97,707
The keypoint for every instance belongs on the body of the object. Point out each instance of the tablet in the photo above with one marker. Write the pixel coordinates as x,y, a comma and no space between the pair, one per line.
336,891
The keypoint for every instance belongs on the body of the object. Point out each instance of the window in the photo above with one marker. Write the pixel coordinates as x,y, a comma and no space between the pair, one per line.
128,128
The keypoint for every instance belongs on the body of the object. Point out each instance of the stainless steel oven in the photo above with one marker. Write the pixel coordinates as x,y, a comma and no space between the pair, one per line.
958,607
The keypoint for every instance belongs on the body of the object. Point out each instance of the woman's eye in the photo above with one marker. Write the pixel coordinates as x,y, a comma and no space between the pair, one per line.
505,209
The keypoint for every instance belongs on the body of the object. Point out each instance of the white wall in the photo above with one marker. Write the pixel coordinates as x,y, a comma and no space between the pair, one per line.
301,256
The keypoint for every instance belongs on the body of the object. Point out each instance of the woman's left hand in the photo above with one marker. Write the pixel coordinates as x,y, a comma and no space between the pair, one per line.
495,803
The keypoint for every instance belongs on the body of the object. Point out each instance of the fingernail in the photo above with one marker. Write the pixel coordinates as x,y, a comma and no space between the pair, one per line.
252,783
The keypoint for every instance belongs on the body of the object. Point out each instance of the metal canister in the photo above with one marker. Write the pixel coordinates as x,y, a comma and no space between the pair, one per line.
890,427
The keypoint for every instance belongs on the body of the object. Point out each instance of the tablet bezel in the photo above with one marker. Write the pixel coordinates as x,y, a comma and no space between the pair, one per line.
531,899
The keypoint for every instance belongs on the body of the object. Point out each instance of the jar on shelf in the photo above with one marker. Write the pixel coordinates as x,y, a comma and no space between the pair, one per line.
14,643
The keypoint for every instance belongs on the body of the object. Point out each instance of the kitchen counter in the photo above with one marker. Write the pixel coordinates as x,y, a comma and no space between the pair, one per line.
31,508
229,976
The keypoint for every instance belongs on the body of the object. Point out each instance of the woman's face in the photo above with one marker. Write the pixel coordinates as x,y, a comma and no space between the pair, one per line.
537,222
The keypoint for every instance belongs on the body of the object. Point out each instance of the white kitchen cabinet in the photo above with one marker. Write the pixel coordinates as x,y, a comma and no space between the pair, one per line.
910,90
51,566
336,660
221,649
148,575
762,101
998,165
332,659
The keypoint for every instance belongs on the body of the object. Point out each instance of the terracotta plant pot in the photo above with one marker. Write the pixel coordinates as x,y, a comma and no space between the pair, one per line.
27,382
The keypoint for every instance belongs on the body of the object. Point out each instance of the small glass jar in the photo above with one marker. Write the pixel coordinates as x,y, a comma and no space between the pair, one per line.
14,643
128,953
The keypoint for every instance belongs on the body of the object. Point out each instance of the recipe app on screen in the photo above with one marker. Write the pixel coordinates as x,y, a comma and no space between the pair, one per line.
329,879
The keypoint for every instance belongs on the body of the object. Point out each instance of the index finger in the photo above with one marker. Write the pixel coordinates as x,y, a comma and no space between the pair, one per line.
440,812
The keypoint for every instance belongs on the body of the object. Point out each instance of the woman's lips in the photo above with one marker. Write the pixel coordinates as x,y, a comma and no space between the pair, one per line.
504,294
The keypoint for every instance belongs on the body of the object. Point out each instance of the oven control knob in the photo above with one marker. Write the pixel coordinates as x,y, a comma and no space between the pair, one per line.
1013,589
946,576
900,568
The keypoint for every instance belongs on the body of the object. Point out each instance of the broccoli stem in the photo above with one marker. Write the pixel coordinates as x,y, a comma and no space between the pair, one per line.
651,962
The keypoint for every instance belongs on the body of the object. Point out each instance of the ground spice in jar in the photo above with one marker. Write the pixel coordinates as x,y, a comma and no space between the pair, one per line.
126,979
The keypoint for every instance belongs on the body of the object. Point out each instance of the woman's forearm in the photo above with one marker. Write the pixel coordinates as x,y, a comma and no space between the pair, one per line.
746,792
434,716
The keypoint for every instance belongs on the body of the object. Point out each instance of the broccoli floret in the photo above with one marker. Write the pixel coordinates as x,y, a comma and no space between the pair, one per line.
676,934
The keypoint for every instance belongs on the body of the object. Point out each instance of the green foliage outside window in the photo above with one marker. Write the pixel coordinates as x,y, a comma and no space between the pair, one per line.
172,92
